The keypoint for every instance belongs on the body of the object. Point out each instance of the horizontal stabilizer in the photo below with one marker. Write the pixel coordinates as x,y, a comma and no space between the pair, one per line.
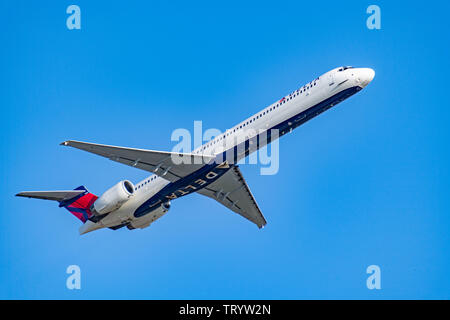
60,195
78,201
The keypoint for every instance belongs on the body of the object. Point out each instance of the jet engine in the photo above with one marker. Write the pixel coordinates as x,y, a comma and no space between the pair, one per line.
147,219
114,197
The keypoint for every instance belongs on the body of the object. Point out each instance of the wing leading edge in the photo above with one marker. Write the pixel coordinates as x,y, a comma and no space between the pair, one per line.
158,162
232,191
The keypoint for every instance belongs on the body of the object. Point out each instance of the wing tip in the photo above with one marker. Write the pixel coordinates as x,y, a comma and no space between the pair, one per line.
23,195
65,143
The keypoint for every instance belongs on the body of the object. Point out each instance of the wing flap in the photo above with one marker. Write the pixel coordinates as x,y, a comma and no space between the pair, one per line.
158,162
232,191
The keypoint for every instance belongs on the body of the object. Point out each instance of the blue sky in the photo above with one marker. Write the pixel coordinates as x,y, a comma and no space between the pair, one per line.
365,183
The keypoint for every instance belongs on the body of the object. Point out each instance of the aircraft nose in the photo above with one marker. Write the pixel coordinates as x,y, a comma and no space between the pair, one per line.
366,75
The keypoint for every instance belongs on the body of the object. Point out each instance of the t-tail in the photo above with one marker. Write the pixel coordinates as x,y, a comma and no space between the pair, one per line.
78,202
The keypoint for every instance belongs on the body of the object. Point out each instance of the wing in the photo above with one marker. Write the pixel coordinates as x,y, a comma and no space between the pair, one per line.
60,195
232,191
164,164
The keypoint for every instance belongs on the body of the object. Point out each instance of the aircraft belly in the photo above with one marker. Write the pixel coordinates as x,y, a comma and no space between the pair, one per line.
146,220
187,185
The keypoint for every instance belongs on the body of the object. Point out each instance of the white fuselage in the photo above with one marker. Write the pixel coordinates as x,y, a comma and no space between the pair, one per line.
279,115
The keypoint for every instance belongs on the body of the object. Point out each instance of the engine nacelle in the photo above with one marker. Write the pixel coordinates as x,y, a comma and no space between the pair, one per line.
114,197
146,220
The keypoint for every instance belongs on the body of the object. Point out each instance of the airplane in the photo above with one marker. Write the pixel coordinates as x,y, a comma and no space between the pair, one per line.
211,170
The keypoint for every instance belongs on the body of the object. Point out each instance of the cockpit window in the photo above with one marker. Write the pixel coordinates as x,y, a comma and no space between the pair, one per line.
345,68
